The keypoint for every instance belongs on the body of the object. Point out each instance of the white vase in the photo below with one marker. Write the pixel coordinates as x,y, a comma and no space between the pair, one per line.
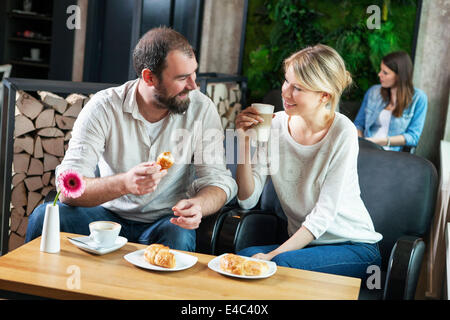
50,240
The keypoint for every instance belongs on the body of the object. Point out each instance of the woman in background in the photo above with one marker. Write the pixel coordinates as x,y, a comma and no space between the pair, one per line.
393,113
329,227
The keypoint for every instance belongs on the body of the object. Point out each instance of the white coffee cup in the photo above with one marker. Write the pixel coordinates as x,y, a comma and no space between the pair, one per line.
35,53
104,233
263,128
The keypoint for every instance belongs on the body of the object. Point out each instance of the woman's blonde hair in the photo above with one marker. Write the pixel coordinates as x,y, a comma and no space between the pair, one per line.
321,69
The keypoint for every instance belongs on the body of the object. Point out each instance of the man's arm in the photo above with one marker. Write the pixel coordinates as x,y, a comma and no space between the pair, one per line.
98,191
207,201
141,179
211,199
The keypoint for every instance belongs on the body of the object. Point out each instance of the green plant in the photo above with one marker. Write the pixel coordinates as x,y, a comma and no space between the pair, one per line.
293,26
362,50
287,26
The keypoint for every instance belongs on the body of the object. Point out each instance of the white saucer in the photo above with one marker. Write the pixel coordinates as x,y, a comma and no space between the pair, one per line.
120,242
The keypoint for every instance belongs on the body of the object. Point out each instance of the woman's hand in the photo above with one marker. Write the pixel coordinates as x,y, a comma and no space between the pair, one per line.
264,256
379,141
247,118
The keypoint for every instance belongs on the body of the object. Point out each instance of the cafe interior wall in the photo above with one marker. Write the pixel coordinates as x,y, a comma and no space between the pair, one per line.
432,73
223,33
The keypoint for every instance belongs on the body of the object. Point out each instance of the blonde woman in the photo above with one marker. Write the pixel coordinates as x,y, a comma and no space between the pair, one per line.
329,227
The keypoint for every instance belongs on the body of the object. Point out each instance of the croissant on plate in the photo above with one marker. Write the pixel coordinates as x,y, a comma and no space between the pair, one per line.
159,255
255,268
238,265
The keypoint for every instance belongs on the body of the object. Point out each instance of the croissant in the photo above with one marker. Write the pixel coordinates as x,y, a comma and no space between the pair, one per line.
159,255
238,265
255,268
232,263
165,160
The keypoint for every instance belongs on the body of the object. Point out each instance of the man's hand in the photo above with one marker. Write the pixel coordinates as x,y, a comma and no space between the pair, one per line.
189,214
143,178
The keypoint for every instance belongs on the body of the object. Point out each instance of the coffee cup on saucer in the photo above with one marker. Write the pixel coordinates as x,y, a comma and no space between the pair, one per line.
104,233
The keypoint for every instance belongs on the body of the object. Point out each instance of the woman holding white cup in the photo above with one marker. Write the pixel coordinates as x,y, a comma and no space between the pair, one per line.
329,228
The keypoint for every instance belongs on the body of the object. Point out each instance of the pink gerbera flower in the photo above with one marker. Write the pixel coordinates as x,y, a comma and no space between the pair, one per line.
70,184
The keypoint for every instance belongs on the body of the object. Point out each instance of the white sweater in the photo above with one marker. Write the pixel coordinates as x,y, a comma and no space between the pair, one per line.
317,185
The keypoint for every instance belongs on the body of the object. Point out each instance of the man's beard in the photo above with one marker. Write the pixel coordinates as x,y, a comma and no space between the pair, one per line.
173,104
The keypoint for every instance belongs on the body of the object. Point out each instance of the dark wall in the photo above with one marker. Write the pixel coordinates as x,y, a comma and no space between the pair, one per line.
61,60
115,26
2,31
108,34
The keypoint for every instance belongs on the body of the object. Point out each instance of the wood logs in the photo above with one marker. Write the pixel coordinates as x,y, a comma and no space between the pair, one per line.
226,97
41,135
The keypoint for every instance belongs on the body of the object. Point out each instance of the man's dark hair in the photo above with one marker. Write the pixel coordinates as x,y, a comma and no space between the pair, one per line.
153,47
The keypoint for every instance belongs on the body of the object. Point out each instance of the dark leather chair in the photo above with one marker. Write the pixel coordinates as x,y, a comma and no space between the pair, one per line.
399,190
363,143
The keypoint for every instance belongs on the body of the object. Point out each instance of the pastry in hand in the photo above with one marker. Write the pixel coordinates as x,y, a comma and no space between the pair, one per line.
159,255
165,160
255,268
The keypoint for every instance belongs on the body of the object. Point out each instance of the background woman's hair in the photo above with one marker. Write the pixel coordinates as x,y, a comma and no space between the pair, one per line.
401,64
320,68
153,47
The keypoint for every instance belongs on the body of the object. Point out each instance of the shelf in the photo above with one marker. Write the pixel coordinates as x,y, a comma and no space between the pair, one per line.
36,16
30,64
30,40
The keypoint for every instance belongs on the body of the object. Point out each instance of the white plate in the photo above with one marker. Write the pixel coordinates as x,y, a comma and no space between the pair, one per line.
182,261
120,242
214,264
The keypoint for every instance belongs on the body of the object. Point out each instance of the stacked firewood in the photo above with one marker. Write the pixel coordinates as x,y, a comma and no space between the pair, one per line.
41,134
226,96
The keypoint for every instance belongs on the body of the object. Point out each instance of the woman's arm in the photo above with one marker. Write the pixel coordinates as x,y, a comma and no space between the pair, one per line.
244,176
415,127
391,141
249,179
299,240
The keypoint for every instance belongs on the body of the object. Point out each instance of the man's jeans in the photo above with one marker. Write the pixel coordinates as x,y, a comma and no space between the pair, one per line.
77,219
348,258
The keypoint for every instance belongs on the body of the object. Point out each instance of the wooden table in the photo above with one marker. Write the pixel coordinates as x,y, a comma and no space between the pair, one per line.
75,274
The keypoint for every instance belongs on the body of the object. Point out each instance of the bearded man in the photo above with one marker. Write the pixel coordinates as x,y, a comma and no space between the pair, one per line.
122,130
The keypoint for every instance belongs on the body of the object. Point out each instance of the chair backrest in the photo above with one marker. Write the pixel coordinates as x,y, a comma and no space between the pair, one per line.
399,190
269,200
363,143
